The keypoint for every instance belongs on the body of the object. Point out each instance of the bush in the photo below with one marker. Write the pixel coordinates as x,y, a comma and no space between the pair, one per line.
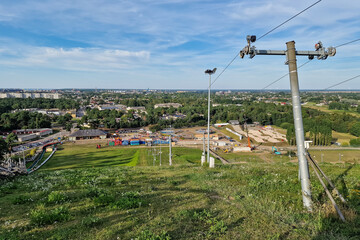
104,199
91,221
56,197
41,216
355,129
355,142
148,235
21,199
129,200
285,125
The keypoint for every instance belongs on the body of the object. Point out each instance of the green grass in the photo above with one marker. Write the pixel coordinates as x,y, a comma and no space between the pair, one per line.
326,109
182,202
332,156
71,156
88,197
342,137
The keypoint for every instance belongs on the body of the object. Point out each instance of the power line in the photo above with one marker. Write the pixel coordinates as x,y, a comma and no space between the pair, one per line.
224,69
288,20
347,43
342,82
264,36
284,76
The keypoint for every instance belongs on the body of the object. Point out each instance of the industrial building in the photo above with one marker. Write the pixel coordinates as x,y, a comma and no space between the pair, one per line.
29,134
87,134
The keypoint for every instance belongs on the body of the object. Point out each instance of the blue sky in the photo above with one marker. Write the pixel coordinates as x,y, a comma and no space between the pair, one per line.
163,44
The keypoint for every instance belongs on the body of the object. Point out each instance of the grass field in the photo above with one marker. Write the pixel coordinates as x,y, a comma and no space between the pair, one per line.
342,137
326,109
89,193
70,156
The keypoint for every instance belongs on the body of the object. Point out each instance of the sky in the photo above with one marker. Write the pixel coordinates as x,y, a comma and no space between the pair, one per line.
168,44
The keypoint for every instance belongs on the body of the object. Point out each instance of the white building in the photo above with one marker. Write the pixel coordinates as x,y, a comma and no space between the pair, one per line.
167,105
30,95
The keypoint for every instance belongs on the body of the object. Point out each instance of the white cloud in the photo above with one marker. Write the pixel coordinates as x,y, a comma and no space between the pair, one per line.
156,26
81,59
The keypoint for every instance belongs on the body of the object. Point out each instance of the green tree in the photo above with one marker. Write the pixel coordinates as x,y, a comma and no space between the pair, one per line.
3,148
355,129
10,139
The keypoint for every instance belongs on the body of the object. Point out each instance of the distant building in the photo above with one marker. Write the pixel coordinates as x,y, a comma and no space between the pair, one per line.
167,105
234,122
118,107
30,95
174,116
87,134
141,109
29,134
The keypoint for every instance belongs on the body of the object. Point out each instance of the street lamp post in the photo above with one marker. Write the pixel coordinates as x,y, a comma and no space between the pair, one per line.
210,72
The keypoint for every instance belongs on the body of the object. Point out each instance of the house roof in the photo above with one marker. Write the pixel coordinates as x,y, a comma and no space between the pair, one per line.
88,133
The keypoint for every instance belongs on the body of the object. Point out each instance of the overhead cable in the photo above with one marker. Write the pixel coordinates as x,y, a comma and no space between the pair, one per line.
284,76
288,20
264,36
342,82
347,43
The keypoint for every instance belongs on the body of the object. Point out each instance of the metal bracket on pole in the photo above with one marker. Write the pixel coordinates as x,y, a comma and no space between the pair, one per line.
320,52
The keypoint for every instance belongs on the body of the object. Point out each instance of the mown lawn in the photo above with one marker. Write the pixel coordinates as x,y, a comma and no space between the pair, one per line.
185,201
70,156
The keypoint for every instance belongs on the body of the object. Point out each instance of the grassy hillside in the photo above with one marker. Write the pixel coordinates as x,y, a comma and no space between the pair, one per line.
104,200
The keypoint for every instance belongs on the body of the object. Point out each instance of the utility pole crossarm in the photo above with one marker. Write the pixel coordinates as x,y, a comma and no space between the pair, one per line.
320,52
282,52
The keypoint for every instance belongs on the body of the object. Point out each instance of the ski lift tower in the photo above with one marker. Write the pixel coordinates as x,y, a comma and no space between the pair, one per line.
321,53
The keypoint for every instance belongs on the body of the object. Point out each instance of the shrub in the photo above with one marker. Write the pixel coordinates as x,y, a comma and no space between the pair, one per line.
56,197
355,142
21,199
94,192
148,235
91,221
104,199
129,200
41,216
285,125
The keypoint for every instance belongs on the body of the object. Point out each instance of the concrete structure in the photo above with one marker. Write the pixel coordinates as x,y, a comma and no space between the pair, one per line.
87,134
30,95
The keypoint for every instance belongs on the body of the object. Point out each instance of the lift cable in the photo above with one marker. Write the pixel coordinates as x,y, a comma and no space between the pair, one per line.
305,64
264,36
288,20
341,82
347,43
284,76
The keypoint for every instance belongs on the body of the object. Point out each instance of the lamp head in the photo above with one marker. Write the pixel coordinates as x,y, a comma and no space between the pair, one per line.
209,71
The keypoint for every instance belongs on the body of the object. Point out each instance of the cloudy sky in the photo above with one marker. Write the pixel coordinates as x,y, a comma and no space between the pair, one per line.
167,44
